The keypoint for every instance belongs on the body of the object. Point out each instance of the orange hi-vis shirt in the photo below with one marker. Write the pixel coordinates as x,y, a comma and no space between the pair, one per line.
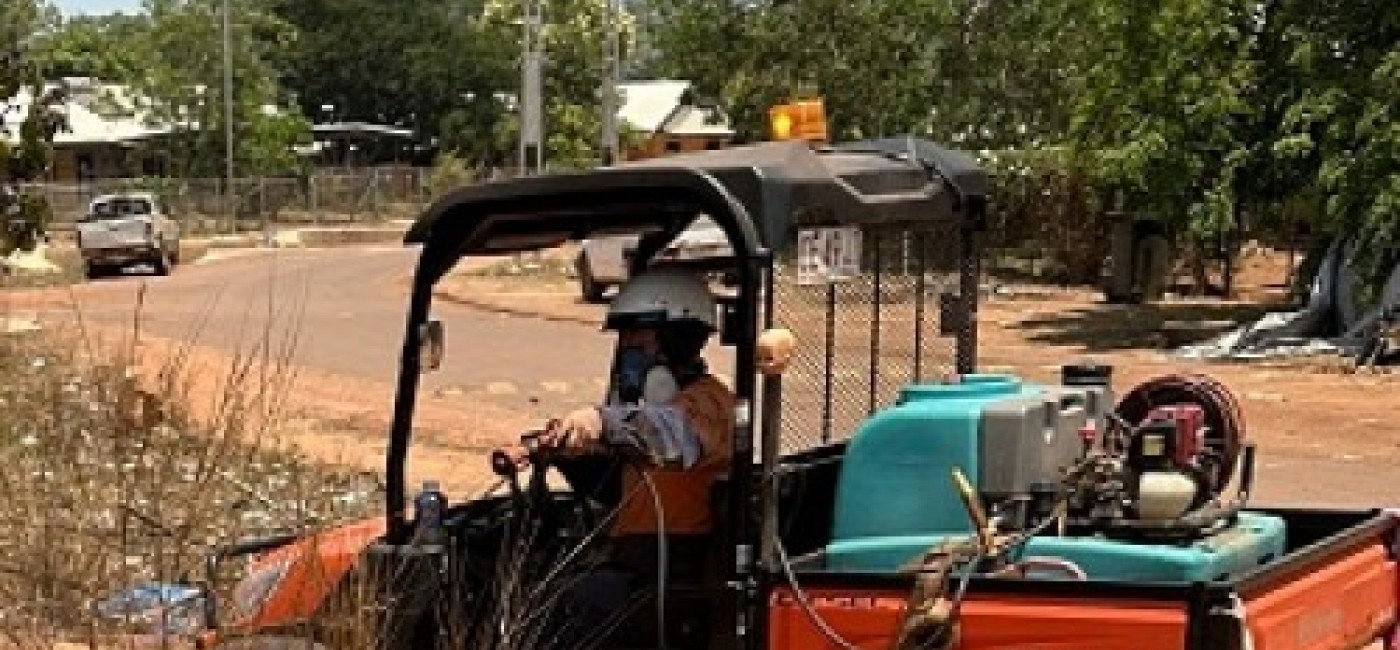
708,406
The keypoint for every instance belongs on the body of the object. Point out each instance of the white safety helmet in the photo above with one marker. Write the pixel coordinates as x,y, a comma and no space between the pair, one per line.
660,296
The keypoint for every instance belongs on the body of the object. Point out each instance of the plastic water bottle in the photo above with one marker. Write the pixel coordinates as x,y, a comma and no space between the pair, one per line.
430,507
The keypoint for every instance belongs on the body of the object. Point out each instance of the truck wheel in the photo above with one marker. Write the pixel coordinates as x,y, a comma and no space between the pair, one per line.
589,286
95,271
161,262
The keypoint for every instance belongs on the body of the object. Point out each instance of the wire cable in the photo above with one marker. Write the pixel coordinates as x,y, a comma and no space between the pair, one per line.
806,604
662,567
583,543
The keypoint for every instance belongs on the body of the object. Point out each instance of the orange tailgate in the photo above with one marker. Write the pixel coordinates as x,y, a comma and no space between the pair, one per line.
1343,605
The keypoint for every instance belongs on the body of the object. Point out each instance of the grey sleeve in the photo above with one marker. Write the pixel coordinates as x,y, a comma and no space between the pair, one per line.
660,432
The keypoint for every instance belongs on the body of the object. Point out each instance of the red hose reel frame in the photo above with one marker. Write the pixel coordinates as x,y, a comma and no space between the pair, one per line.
1224,419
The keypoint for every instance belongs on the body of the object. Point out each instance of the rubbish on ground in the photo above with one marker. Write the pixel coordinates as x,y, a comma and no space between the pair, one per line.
1332,322
35,261
156,608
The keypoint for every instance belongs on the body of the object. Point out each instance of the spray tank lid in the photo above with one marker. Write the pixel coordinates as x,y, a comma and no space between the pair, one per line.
970,386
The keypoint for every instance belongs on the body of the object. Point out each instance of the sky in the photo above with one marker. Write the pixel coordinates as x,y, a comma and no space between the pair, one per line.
71,7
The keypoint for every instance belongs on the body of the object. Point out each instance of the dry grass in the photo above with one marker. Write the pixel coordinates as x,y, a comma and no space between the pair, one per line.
117,476
70,265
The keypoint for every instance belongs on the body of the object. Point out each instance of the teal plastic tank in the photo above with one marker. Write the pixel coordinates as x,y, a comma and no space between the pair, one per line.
1254,540
896,475
895,498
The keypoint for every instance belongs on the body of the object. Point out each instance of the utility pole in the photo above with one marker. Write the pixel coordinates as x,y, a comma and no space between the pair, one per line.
612,76
531,87
228,121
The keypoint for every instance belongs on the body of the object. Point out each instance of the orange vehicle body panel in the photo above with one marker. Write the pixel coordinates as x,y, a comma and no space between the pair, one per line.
1344,605
318,563
869,619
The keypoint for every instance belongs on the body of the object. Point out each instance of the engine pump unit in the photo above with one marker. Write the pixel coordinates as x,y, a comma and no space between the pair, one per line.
1133,499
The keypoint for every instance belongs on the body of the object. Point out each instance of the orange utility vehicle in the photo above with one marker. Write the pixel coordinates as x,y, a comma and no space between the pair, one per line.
895,497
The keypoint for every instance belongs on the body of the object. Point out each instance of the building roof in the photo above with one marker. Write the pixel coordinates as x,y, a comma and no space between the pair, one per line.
361,128
88,122
647,104
97,113
698,120
667,105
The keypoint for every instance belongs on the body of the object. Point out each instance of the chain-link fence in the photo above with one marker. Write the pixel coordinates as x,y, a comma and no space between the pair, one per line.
900,320
206,206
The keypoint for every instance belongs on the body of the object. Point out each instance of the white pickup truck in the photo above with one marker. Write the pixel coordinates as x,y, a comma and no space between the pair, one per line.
123,229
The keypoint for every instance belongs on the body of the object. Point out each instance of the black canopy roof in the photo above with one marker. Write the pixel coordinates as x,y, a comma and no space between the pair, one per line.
757,193
960,170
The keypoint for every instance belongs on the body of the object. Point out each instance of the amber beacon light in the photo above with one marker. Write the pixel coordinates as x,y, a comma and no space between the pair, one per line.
799,120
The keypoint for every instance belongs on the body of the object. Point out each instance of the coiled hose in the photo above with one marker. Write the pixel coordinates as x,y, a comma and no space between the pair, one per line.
1224,420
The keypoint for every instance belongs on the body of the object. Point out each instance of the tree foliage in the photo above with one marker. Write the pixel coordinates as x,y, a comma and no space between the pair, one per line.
101,47
572,74
430,65
449,70
171,56
976,74
183,74
1211,114
24,216
1335,72
1215,115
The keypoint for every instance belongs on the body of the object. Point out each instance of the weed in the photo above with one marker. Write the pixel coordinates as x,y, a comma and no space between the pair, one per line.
118,474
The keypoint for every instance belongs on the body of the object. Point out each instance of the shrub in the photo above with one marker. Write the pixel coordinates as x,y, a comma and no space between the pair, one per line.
114,478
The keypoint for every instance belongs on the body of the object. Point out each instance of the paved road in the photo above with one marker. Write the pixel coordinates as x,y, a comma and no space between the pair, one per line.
350,305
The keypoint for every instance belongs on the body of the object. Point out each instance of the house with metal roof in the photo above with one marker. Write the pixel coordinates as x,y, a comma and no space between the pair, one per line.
103,133
671,117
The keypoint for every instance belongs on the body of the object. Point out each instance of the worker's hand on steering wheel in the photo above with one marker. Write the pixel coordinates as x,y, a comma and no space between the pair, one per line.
515,458
580,430
510,459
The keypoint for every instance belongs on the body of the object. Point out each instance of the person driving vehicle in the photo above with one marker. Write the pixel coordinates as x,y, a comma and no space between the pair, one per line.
670,422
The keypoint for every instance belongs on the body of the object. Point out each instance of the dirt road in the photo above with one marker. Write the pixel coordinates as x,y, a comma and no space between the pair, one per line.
505,372
345,309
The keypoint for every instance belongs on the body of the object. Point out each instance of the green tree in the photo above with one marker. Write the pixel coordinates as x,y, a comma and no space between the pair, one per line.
267,145
573,74
1162,112
1334,74
428,65
982,74
23,217
183,80
103,47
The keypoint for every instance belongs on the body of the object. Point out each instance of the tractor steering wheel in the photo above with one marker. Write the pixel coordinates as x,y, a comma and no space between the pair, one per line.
534,497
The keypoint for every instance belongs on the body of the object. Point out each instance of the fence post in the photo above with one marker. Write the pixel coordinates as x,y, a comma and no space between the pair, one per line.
224,207
235,198
262,208
311,199
422,187
375,195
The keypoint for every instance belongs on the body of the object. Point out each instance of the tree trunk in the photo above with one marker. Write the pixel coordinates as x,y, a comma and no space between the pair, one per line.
1227,274
1200,274
1230,250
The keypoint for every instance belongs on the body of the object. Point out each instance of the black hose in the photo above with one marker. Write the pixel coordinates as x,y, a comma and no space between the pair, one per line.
1224,420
